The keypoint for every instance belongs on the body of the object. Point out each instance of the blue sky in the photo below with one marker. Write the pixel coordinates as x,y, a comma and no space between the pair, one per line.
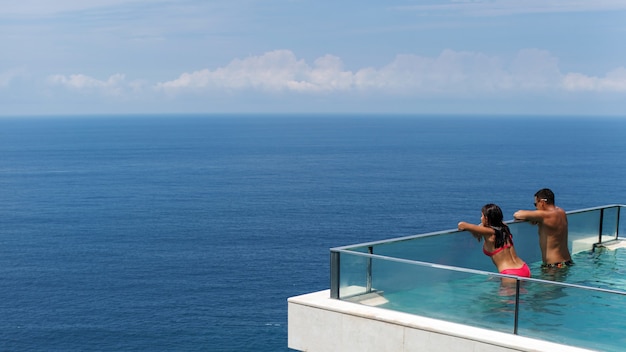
284,56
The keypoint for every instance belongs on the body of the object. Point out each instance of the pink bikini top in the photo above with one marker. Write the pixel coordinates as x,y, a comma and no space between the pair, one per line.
498,250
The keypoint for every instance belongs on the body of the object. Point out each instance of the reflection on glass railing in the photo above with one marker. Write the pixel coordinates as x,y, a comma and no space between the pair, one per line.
573,316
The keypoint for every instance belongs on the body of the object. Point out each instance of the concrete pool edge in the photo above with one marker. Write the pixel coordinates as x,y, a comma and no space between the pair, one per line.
317,322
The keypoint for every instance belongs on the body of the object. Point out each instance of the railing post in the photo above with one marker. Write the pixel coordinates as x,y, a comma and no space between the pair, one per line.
517,285
600,227
368,281
334,274
617,224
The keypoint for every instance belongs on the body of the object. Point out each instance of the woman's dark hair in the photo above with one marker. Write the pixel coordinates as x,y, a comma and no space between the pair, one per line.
494,217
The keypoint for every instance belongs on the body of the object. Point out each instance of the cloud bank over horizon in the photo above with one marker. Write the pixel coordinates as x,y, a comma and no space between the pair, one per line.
448,74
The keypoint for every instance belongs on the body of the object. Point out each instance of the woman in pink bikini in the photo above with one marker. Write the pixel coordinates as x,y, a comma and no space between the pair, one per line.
498,242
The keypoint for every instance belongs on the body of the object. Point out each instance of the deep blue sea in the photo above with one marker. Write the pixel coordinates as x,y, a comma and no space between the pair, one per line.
189,233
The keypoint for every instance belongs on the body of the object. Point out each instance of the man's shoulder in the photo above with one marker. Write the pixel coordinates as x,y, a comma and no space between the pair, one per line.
560,211
555,218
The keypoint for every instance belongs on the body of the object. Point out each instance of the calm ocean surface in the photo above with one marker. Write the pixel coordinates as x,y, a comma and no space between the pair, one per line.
189,233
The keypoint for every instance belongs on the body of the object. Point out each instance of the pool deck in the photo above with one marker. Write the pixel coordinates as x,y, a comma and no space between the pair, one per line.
317,322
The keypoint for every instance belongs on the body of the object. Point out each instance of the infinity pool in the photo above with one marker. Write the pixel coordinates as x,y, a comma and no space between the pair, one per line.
445,275
572,314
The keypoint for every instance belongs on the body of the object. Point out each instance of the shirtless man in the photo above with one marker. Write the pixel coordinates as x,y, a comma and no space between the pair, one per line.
552,227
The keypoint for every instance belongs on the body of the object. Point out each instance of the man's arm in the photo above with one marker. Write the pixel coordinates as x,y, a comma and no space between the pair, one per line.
534,216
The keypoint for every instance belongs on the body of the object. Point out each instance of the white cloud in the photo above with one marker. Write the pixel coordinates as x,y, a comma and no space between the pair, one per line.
114,85
614,81
278,70
450,73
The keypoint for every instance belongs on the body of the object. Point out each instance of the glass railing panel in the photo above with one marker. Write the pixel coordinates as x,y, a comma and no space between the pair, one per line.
464,297
583,230
573,316
360,249
525,240
353,275
453,249
458,248
609,224
418,247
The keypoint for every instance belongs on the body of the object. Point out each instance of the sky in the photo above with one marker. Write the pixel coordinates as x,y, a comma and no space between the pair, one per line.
76,57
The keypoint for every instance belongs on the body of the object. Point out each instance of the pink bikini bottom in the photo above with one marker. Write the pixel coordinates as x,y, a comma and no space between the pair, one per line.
523,271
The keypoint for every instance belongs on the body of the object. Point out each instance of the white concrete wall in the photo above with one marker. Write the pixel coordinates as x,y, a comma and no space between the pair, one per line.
318,323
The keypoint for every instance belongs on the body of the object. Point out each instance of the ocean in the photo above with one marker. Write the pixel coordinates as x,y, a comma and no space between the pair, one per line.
189,232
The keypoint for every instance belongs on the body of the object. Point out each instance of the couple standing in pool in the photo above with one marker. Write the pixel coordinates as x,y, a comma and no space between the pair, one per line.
552,227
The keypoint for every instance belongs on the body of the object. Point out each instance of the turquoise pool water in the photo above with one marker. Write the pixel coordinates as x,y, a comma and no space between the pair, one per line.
563,314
